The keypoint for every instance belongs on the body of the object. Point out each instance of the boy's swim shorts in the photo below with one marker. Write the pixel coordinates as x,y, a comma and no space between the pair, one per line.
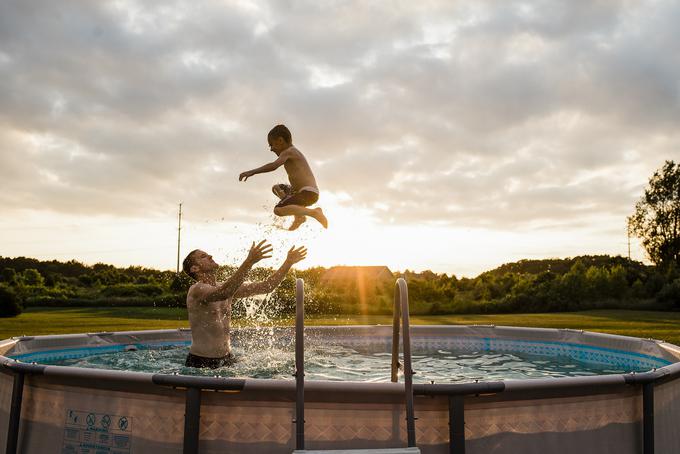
303,197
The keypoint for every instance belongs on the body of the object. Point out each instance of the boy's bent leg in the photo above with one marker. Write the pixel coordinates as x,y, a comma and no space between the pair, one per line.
293,210
296,205
297,222
319,216
297,210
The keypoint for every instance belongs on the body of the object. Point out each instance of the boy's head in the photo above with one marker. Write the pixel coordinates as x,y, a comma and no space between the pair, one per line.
279,138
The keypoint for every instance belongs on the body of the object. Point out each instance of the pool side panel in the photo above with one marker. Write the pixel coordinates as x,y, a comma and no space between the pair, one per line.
598,424
27,345
672,350
259,419
57,417
666,417
7,345
6,384
615,351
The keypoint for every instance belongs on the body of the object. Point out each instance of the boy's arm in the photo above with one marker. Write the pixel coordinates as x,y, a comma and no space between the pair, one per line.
283,157
209,294
273,281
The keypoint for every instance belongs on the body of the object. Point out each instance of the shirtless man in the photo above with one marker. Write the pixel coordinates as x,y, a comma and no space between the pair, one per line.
209,302
302,191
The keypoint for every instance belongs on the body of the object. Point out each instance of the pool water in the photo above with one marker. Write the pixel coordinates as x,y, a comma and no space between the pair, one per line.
328,361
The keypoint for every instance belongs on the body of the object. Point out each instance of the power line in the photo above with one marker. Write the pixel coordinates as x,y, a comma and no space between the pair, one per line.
179,234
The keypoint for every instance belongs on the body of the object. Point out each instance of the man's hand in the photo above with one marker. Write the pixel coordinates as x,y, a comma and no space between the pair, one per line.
259,251
245,175
296,255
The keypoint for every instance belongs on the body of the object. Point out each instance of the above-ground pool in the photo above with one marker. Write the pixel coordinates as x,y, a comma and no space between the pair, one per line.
597,393
332,354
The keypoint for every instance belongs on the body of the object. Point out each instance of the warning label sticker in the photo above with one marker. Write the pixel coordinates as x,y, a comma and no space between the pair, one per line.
86,432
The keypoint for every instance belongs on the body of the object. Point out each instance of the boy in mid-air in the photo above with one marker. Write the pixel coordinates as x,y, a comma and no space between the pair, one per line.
302,191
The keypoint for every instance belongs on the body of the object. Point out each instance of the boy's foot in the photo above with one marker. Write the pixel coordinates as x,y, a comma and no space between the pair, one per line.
319,216
297,222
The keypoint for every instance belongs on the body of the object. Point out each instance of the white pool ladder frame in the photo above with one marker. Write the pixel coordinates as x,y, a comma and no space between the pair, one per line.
400,312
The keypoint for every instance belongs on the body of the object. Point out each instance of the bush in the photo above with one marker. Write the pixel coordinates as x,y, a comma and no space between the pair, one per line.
670,294
8,276
33,278
9,302
181,283
87,280
170,300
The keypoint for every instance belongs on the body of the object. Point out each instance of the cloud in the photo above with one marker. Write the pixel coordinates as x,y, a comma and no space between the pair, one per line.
512,115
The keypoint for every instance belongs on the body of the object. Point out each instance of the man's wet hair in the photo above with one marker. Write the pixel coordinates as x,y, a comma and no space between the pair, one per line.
188,263
280,131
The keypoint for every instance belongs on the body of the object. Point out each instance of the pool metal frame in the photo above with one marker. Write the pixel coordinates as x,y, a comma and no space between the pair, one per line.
456,393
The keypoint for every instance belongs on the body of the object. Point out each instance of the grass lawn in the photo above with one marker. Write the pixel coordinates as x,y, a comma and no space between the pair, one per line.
37,321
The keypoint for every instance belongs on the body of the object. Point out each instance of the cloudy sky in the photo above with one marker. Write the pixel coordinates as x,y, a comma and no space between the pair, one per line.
449,135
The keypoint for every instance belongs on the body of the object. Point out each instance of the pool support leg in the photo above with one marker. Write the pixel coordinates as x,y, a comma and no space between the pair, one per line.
647,381
456,425
15,413
192,420
648,418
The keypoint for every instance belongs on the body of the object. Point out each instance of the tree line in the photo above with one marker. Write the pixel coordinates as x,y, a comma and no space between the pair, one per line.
580,283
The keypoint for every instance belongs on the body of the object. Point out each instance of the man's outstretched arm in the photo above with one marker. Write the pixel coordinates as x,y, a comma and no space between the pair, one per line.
270,167
295,255
227,289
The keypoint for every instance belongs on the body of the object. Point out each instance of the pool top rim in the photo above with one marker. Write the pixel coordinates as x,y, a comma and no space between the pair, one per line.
672,369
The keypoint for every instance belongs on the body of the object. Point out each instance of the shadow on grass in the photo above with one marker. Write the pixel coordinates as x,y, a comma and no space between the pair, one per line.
139,313
566,319
633,316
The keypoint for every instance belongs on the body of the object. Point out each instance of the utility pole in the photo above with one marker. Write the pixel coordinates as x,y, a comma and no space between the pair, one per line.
179,234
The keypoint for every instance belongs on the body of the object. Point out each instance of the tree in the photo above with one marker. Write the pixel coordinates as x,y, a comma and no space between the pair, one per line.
573,286
670,293
656,220
180,283
9,302
32,277
9,276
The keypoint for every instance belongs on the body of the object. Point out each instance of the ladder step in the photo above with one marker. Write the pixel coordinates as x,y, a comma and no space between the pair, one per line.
361,451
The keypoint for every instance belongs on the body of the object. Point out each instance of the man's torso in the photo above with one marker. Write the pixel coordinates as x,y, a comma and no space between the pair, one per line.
210,323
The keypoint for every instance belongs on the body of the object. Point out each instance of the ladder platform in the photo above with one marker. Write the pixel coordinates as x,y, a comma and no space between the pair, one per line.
361,451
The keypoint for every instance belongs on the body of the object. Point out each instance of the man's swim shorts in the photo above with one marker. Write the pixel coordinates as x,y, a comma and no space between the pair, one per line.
210,363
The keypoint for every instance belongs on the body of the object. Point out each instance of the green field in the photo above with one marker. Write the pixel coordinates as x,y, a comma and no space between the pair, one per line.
34,321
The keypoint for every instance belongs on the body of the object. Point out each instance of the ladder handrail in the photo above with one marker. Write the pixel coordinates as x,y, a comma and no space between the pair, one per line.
401,311
396,316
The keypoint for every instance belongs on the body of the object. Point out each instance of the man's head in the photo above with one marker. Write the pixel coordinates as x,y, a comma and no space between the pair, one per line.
279,138
198,262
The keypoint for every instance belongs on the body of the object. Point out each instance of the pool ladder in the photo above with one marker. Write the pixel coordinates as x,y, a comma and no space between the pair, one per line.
400,312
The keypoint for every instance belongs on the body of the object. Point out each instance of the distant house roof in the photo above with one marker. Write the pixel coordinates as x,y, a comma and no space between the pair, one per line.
346,273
